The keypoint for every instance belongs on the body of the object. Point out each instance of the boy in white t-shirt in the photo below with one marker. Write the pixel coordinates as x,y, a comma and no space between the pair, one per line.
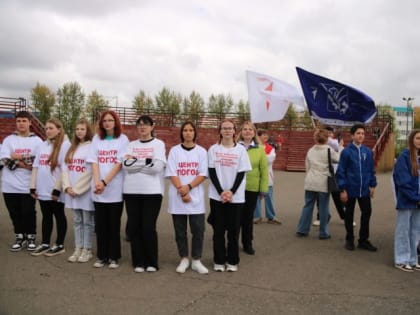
17,154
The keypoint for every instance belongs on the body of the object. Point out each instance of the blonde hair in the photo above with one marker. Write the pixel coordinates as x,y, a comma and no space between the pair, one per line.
76,141
256,138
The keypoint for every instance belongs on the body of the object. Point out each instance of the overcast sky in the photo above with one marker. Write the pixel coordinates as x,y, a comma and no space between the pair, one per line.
119,47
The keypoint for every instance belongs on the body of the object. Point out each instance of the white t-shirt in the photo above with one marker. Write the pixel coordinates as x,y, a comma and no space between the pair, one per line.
17,181
228,162
187,165
146,181
270,158
106,153
45,180
75,169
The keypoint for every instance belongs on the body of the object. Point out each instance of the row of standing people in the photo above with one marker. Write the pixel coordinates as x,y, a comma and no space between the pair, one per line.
85,175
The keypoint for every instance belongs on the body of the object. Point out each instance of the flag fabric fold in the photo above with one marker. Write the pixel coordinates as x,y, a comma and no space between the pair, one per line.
269,98
334,103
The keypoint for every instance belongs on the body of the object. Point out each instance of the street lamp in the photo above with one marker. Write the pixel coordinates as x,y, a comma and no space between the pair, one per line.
408,100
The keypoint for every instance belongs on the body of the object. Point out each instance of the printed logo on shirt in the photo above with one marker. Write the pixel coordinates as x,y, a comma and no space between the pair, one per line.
23,151
187,168
43,159
143,153
77,165
226,159
107,156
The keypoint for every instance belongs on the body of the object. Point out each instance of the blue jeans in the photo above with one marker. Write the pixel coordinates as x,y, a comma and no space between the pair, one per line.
407,236
84,227
269,205
305,220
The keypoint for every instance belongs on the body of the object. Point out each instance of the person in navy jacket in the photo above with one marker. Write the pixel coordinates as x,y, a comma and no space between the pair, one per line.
407,192
357,181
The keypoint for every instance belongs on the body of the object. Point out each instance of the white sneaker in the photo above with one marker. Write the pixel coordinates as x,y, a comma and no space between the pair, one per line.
218,267
75,256
196,265
354,223
316,223
151,269
85,256
231,268
183,265
99,263
113,264
139,269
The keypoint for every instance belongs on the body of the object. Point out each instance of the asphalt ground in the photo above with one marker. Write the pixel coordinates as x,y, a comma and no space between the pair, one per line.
288,275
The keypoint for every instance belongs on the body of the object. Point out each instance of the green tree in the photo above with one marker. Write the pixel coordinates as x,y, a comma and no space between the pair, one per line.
243,110
168,101
70,103
94,105
142,103
291,116
220,104
43,100
193,106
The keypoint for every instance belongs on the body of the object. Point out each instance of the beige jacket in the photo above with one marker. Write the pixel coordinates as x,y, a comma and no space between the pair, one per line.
317,167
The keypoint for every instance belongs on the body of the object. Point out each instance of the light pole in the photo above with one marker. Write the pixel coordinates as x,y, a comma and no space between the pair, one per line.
408,100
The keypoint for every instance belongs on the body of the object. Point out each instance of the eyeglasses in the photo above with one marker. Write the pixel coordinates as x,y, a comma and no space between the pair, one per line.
227,128
108,120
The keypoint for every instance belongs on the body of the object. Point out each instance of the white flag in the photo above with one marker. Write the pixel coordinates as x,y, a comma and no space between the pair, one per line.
269,98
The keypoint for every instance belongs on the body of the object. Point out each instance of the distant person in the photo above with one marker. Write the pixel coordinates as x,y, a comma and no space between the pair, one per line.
406,183
77,177
106,156
144,166
270,212
46,186
228,163
256,182
316,186
337,146
17,154
187,169
357,181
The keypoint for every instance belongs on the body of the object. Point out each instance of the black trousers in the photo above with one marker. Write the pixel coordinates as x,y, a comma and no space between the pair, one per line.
49,209
143,212
226,218
366,211
22,212
107,226
247,218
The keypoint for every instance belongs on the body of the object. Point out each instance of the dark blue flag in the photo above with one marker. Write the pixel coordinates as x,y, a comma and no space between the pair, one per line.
334,103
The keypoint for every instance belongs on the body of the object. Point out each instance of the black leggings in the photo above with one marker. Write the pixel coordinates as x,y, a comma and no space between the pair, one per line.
48,209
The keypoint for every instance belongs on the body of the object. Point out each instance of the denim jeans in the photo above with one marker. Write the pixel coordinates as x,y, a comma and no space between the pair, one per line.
305,220
269,205
84,226
407,236
197,225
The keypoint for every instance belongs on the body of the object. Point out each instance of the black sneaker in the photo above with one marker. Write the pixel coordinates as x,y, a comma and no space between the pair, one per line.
31,242
367,245
20,243
41,249
55,250
349,245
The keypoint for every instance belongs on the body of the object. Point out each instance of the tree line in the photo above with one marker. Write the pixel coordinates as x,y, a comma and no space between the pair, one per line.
70,103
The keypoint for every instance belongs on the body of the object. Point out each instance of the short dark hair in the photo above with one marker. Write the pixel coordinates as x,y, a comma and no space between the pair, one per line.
355,127
145,119
329,128
23,114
